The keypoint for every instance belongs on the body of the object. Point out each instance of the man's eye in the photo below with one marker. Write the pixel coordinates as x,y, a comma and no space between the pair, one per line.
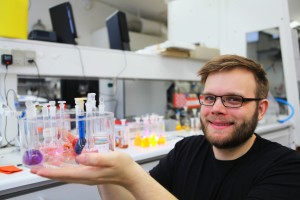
209,98
233,99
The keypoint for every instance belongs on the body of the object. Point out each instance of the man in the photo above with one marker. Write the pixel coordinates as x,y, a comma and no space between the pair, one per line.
229,162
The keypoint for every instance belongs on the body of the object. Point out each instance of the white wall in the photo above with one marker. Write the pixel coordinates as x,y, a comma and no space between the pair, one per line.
224,24
294,8
195,21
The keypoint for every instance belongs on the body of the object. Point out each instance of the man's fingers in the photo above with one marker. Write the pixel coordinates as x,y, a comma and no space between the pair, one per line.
93,168
107,159
63,173
82,174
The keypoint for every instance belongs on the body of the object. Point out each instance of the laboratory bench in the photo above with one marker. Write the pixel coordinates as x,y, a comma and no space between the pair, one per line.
26,186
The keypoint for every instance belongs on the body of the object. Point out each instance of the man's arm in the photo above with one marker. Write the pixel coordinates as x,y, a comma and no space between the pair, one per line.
114,192
113,168
142,192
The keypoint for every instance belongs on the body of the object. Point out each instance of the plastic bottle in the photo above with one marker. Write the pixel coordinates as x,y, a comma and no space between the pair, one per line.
153,130
124,138
194,128
161,129
52,149
185,119
138,138
178,125
103,140
145,139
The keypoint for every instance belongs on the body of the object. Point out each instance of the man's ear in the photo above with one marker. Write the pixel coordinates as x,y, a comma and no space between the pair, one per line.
262,108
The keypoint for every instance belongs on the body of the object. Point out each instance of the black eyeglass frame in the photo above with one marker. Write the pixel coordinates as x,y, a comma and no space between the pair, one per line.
223,101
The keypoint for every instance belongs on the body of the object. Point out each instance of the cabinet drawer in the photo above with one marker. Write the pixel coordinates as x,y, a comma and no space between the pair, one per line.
68,191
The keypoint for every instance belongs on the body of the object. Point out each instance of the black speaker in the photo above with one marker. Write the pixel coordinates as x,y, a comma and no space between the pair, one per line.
48,36
118,31
63,23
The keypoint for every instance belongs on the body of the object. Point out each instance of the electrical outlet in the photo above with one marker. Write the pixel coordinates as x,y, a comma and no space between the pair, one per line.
18,57
30,55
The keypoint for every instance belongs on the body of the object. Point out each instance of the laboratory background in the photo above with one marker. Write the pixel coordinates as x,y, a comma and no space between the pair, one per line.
122,75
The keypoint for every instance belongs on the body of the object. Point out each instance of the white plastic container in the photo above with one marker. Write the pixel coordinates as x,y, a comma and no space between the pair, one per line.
55,141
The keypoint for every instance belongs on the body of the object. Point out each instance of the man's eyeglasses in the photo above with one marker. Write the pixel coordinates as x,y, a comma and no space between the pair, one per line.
229,101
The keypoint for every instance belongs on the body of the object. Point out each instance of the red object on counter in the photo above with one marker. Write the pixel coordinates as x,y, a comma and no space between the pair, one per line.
9,169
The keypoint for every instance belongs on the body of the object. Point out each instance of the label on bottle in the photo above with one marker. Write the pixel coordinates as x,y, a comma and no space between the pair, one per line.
101,142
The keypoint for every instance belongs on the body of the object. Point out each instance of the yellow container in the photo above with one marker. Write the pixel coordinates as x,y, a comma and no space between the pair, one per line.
14,18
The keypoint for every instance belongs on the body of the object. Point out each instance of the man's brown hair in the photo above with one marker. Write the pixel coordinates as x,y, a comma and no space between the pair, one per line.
230,62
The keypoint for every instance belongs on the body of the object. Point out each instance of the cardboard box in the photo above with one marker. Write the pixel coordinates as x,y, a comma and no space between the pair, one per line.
204,53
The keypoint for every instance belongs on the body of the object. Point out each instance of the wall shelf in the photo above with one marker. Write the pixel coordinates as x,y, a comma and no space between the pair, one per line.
64,60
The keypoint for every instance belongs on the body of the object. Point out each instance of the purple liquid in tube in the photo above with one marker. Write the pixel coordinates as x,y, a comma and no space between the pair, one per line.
32,157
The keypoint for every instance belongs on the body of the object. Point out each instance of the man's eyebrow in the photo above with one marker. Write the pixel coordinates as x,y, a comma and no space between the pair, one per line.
226,94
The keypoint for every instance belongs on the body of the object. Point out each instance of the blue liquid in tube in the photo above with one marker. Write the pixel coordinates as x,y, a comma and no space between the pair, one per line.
81,140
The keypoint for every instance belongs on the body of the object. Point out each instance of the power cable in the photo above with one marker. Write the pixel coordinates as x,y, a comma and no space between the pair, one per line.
290,106
40,80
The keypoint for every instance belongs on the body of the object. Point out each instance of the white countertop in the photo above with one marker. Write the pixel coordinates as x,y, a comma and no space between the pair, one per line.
139,154
22,178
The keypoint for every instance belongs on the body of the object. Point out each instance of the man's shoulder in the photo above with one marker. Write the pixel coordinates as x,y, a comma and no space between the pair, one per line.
276,150
271,145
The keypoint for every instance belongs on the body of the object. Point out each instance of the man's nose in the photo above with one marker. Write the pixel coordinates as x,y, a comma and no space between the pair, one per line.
218,104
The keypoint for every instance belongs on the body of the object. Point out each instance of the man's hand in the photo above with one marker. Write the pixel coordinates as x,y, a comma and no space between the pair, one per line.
94,169
110,170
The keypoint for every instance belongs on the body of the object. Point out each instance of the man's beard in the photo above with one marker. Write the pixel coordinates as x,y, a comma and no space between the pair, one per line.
240,134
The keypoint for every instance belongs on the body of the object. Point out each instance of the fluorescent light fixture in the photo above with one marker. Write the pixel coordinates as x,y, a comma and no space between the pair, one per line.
295,24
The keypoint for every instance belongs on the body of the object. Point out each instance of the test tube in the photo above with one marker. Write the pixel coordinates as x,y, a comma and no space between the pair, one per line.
65,137
46,130
80,128
89,125
62,116
52,114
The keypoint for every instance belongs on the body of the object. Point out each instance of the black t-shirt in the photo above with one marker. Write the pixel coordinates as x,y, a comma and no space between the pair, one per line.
267,171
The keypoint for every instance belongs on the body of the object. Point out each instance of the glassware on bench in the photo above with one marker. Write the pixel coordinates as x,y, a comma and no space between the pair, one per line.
62,135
